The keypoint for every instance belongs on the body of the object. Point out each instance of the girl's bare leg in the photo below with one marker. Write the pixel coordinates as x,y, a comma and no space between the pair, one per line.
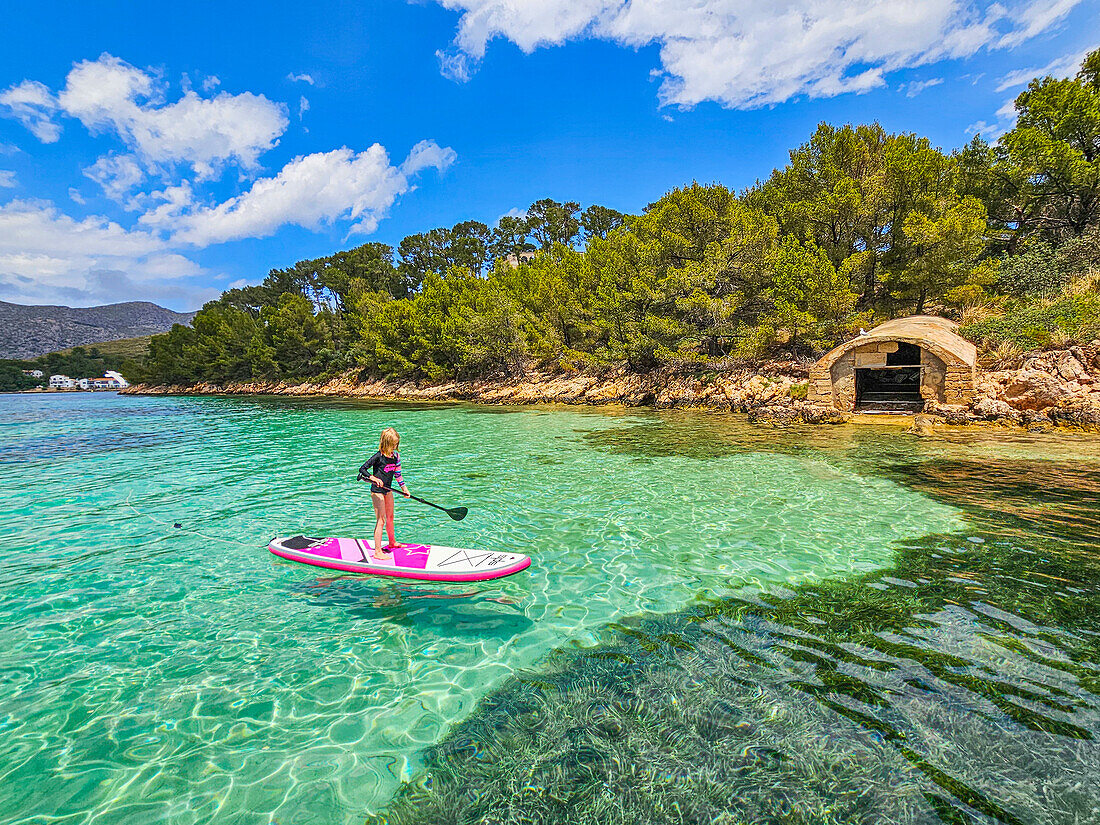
379,502
389,519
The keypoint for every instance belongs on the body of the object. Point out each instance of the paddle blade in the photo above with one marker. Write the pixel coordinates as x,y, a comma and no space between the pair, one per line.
458,513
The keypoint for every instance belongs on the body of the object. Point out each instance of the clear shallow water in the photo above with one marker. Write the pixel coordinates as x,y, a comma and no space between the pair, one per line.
156,674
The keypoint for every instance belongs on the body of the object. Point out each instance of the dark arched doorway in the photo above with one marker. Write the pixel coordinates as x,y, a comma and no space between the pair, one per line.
894,385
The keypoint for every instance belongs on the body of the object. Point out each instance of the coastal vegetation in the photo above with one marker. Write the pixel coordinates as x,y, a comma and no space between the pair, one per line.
13,379
860,226
125,348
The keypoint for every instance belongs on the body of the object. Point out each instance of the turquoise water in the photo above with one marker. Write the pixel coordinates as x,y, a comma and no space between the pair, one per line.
154,673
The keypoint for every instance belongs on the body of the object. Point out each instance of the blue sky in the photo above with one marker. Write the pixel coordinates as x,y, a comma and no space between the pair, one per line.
165,153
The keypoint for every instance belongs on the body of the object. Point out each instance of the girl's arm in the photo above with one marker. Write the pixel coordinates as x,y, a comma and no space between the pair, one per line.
397,474
370,467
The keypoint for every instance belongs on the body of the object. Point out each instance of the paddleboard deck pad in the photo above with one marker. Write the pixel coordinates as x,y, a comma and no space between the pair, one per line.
412,561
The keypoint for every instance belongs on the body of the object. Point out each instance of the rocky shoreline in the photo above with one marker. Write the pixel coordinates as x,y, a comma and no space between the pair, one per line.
1045,389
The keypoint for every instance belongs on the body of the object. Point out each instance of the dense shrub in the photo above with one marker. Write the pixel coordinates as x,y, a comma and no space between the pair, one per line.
1073,318
1035,273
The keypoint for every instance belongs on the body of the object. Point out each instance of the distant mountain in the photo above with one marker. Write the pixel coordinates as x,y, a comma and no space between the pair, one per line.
30,331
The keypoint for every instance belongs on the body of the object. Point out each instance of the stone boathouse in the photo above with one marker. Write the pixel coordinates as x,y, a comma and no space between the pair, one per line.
897,366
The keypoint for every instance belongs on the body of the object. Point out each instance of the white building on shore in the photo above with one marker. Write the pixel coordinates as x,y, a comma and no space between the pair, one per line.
110,381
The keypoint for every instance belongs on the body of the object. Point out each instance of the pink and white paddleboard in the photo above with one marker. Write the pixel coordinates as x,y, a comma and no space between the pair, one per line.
413,561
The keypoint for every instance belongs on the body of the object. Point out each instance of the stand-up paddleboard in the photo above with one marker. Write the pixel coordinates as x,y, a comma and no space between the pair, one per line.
413,561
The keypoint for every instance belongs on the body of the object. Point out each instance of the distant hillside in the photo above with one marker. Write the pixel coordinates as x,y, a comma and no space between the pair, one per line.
124,348
30,331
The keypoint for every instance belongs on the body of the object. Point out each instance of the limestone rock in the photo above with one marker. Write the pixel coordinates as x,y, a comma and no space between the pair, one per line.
774,415
1032,389
1084,415
993,409
1070,368
822,414
1036,422
953,414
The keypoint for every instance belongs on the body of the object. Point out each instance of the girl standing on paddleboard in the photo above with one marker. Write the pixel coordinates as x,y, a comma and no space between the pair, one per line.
383,469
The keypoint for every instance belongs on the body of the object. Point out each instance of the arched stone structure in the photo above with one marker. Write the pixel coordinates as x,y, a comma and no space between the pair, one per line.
945,372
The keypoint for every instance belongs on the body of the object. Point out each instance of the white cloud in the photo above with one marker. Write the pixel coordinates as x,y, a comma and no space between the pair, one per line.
1059,67
1036,17
210,83
1007,110
301,78
33,105
118,175
1005,120
109,94
309,191
514,212
427,154
7,179
750,53
990,132
457,65
46,255
917,86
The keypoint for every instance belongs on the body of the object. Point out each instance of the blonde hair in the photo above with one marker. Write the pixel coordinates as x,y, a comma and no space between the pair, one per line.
389,440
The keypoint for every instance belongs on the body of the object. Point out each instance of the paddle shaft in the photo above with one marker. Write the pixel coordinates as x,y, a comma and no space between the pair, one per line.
457,513
416,498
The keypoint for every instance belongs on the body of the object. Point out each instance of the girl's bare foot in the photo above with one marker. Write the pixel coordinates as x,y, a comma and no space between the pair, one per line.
377,557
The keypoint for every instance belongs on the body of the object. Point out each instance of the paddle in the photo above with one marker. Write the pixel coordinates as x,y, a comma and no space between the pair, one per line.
457,513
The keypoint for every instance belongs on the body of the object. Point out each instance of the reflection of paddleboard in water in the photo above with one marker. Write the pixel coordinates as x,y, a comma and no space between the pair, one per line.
413,561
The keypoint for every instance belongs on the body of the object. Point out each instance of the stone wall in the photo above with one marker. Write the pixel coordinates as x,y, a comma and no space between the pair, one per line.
820,388
842,376
933,375
960,384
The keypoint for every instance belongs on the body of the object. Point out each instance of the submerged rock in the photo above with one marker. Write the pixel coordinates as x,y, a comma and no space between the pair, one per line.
923,425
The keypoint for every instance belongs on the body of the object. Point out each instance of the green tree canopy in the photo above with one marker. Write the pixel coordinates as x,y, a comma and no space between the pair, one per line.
551,222
1049,164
